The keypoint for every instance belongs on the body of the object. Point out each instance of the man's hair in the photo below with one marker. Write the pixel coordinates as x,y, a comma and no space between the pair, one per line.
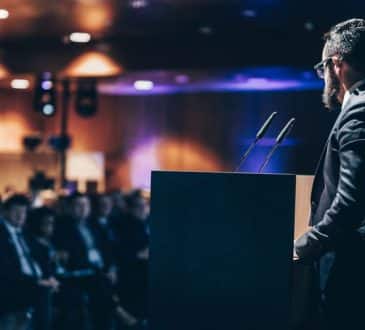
132,198
17,199
347,40
75,196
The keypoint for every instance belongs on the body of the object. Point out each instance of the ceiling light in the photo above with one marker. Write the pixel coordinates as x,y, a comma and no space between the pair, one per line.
47,85
92,64
143,85
48,110
80,37
138,3
4,14
20,83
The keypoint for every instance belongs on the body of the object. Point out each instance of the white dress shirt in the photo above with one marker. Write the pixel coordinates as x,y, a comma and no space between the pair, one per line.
350,91
23,252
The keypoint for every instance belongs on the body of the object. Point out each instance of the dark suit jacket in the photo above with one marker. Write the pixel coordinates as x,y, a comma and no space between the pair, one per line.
338,203
134,271
107,240
43,255
17,291
68,238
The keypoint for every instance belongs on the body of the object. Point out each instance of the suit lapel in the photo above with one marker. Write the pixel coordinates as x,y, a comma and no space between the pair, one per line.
318,176
12,253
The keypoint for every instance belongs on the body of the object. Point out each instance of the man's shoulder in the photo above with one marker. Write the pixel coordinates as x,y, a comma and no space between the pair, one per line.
354,108
351,124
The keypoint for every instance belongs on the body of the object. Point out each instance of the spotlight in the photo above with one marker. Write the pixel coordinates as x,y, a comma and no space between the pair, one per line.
4,14
60,142
45,96
31,142
40,181
86,98
20,83
143,85
47,85
80,37
48,110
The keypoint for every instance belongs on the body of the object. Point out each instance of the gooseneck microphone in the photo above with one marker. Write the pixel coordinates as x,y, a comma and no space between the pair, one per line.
260,134
280,138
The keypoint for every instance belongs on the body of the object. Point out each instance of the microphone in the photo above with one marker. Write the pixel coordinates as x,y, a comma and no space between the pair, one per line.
260,134
280,138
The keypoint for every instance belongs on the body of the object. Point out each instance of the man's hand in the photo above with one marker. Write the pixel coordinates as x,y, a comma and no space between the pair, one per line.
50,283
144,254
112,276
295,256
127,318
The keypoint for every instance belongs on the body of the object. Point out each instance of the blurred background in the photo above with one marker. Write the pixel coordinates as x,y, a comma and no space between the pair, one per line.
99,92
94,94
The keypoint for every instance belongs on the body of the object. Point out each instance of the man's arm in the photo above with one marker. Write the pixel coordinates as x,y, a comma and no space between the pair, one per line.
347,210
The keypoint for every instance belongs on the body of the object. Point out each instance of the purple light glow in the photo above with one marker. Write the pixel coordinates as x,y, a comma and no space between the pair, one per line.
47,85
261,84
271,85
182,79
143,85
251,79
142,161
254,162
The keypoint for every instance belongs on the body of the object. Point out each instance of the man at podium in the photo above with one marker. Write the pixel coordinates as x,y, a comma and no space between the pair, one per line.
336,240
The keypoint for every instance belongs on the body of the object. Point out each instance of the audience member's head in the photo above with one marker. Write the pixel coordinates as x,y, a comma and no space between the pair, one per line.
119,203
15,210
80,206
137,204
40,222
103,205
62,206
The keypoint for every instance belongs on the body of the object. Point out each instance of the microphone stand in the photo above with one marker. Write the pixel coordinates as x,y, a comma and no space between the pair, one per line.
282,135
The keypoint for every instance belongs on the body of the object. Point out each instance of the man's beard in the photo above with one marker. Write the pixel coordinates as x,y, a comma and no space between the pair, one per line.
331,92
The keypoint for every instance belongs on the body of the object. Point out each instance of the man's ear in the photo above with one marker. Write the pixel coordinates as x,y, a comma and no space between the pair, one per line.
337,66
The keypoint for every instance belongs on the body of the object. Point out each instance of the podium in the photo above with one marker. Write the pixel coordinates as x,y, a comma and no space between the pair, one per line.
221,250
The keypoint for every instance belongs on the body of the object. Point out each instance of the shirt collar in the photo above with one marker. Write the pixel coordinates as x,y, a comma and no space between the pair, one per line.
351,91
13,230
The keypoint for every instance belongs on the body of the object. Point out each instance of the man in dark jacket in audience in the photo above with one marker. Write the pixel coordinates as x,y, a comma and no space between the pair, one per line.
20,275
88,292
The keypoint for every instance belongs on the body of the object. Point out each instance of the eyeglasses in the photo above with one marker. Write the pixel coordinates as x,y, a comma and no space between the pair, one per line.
320,67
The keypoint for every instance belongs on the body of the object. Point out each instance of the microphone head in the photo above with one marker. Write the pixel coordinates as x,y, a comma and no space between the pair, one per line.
285,131
265,126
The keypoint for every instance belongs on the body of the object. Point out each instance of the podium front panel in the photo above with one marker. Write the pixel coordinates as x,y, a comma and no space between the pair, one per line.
221,251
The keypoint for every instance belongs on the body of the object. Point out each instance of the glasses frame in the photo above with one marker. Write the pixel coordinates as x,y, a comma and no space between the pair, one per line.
319,67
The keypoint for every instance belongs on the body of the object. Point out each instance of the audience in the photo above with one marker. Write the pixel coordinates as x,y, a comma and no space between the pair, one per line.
134,252
81,264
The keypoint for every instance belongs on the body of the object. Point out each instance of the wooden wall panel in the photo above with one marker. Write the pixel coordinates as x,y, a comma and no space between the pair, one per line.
205,132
